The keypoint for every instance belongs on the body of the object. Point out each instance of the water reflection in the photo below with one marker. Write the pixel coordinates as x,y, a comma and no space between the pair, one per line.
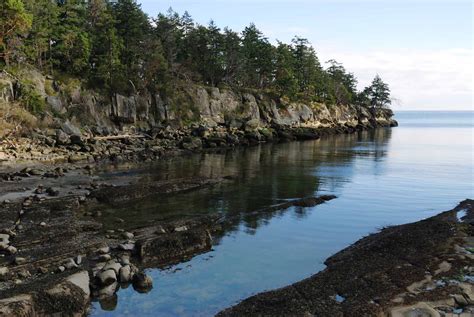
385,177
262,176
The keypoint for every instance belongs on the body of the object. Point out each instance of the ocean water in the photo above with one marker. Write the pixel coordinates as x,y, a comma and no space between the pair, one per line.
381,178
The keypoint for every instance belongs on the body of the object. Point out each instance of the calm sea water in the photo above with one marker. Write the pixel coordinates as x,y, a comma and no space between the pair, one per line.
385,177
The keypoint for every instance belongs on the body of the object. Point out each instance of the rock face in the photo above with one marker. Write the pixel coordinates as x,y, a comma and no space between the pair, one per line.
85,110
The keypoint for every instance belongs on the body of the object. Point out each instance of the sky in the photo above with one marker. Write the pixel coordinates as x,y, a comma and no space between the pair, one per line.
422,48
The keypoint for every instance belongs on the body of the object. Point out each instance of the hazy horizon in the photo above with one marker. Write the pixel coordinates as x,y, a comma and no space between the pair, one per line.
422,49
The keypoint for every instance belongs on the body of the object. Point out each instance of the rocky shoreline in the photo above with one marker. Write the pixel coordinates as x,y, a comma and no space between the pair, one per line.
57,252
419,269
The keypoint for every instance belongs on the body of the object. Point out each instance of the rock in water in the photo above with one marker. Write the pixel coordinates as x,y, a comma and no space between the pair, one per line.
125,274
142,283
107,277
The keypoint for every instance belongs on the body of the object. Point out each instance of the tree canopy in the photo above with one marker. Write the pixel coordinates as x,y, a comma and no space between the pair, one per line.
116,47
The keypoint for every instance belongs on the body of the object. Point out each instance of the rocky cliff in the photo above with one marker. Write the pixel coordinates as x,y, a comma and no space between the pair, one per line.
70,114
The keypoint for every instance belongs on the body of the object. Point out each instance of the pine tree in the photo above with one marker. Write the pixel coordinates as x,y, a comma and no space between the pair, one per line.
106,68
72,46
379,93
14,21
285,80
40,38
258,56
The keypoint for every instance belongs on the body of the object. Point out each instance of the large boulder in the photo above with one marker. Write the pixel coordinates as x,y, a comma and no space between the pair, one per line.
124,109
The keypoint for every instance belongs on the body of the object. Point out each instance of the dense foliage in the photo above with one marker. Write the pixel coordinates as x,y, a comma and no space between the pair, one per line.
116,47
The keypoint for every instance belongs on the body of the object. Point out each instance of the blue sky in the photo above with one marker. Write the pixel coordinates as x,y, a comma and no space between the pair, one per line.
422,48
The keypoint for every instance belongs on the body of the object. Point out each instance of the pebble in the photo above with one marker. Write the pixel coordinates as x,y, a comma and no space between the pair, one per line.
61,269
181,229
104,250
78,259
20,260
24,274
70,264
128,235
4,238
105,257
42,270
126,246
11,249
3,271
43,224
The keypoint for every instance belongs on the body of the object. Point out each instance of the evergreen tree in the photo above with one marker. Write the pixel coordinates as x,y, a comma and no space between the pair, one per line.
14,21
40,38
133,29
72,46
285,80
106,68
257,54
231,56
379,93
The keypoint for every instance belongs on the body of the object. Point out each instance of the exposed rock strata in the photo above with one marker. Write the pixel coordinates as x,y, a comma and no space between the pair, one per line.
81,125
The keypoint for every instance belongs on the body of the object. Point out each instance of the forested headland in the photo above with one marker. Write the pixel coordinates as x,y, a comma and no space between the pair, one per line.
115,47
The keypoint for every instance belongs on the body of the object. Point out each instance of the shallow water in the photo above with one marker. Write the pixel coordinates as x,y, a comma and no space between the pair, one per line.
384,177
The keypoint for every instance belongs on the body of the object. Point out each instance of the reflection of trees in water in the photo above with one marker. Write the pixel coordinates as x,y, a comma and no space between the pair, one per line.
262,176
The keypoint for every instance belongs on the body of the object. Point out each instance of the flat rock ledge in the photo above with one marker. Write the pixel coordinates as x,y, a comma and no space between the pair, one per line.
423,269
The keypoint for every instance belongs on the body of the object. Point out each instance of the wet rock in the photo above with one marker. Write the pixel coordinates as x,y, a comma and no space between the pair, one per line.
125,274
81,279
21,305
42,270
460,300
52,192
78,259
181,229
11,249
108,290
107,277
126,246
42,224
112,265
19,260
70,264
61,269
3,246
104,250
108,303
104,257
4,238
39,190
76,140
128,235
9,232
61,137
125,260
24,274
142,283
3,271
